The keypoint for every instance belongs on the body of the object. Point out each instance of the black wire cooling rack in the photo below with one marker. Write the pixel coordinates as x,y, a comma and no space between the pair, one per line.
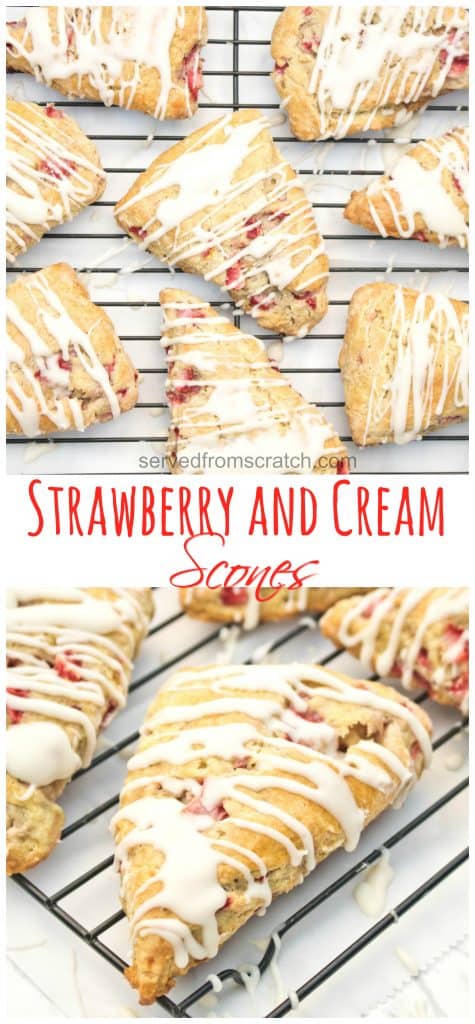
134,429
95,937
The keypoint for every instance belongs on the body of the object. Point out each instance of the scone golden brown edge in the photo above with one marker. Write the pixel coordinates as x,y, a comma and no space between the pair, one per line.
83,642
146,59
339,72
225,204
244,778
418,636
239,605
231,409
425,197
389,396
66,366
53,172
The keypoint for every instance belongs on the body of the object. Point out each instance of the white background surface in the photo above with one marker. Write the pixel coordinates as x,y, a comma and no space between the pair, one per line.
132,299
370,560
51,972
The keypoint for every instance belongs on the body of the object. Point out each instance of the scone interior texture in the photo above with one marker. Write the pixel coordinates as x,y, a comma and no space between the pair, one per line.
145,58
404,363
225,204
341,70
240,605
66,367
69,663
244,779
417,635
425,196
231,410
53,171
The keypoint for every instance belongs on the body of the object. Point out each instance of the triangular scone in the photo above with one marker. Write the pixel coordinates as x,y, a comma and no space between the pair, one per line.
66,368
245,778
425,197
239,605
53,171
404,363
225,204
341,70
231,410
69,664
415,635
143,58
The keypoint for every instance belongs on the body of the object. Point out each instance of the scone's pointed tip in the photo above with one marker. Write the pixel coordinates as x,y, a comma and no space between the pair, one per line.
177,297
152,973
33,827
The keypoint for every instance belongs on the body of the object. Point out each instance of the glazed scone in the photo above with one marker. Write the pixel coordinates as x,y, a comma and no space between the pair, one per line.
53,172
342,70
415,635
246,777
231,410
239,605
69,664
404,363
66,368
224,203
424,197
145,58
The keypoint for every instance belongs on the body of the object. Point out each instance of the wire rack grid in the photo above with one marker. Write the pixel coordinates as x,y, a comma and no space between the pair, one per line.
237,66
77,884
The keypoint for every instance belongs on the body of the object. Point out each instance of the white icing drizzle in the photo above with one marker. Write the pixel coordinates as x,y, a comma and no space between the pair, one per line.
363,622
371,892
413,189
427,351
368,61
239,418
251,611
47,181
62,651
40,753
138,37
276,228
273,749
25,396
165,825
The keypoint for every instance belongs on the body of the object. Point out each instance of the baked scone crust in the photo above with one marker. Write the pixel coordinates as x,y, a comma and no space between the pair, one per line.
66,367
53,172
77,679
244,779
428,202
145,58
404,363
224,203
323,56
231,410
415,635
239,605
